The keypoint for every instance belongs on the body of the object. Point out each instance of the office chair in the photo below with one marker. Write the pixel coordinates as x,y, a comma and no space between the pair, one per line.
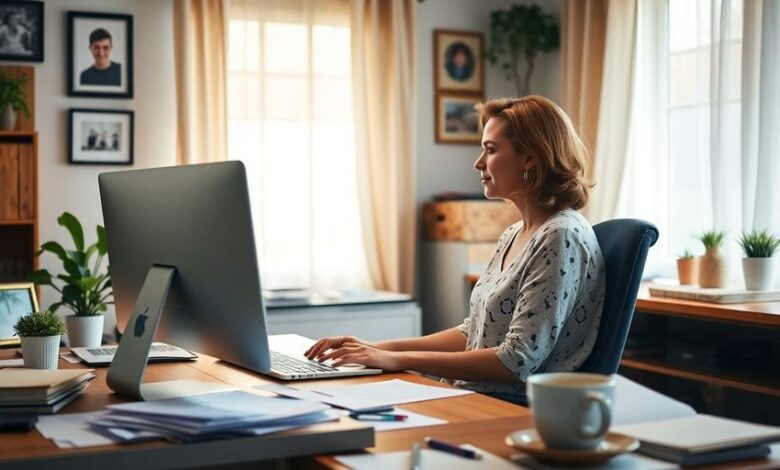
624,244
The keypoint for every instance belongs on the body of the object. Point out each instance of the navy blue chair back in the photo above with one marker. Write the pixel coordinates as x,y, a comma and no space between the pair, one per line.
624,244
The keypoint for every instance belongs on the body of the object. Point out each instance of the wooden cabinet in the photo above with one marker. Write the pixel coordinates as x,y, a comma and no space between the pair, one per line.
18,205
19,188
721,359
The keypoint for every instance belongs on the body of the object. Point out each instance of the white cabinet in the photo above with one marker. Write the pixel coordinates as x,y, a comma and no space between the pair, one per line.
370,321
445,290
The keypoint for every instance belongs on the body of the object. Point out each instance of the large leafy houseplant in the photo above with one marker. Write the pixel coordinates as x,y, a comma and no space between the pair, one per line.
519,35
84,286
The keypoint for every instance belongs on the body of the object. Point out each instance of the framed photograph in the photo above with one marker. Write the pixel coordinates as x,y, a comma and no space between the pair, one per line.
101,137
456,120
16,300
21,31
458,64
100,55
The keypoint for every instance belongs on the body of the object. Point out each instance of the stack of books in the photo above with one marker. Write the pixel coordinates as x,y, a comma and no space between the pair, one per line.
34,391
208,416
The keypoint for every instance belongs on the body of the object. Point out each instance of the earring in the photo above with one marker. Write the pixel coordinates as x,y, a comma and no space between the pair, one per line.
525,176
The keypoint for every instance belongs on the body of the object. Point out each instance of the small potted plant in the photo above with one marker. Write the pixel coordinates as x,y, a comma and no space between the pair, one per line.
758,265
687,268
40,333
12,98
712,266
85,287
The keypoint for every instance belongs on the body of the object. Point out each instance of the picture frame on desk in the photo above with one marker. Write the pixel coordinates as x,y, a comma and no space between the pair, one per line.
100,55
100,136
16,300
21,31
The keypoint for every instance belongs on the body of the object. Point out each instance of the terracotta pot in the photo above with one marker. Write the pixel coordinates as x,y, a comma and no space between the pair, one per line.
712,269
688,270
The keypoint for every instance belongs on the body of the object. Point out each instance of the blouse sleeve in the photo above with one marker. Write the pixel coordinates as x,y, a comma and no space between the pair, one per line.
557,267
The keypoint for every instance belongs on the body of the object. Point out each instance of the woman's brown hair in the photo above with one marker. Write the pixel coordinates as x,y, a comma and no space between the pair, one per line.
540,129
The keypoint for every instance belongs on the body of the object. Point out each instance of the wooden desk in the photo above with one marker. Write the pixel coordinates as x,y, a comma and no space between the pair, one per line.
475,419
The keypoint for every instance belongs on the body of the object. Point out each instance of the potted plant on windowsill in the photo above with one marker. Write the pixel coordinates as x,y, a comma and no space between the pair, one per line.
712,266
40,333
84,286
12,99
687,268
758,265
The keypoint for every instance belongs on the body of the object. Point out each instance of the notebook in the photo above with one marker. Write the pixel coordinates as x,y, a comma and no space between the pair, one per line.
34,391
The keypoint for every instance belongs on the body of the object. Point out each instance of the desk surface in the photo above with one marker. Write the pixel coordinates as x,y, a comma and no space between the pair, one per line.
475,419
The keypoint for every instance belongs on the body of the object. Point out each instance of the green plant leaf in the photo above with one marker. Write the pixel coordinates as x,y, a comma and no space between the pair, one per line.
102,241
41,277
70,222
56,248
73,268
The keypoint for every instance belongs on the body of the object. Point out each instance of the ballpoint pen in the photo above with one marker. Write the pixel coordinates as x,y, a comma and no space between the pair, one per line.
414,457
377,417
452,448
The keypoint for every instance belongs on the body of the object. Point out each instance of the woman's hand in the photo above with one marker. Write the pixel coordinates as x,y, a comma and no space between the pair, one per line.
367,355
334,342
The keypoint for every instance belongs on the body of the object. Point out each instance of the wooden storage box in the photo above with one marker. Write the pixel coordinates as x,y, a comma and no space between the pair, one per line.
467,220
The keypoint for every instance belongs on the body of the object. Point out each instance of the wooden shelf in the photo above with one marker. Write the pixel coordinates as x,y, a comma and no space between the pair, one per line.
757,383
17,133
17,222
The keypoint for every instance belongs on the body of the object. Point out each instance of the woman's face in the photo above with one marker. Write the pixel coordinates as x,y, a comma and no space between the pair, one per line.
499,165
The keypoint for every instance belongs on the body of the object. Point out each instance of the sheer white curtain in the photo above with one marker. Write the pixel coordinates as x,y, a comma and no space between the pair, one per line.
709,156
290,120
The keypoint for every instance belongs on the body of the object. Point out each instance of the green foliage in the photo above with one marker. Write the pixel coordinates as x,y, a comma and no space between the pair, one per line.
84,288
12,93
43,323
686,255
517,34
759,244
712,238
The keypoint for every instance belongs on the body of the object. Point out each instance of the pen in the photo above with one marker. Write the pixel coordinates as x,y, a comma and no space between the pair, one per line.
372,411
452,448
377,417
414,458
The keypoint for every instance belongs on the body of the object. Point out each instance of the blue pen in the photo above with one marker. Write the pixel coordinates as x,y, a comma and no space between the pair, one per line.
452,449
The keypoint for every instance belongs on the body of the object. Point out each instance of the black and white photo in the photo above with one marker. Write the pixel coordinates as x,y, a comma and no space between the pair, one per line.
21,31
102,137
100,58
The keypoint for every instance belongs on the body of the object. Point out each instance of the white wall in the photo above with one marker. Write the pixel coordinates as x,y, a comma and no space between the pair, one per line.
448,167
73,188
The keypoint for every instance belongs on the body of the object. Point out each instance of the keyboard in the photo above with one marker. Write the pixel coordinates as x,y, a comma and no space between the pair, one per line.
287,365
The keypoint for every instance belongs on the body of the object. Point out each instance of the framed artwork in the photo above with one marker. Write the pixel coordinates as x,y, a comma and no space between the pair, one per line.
457,63
16,300
100,55
456,120
21,31
101,137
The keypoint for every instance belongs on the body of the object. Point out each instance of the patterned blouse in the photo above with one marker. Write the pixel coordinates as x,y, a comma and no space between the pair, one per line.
542,313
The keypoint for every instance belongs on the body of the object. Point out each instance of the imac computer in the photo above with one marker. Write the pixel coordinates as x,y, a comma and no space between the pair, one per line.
184,270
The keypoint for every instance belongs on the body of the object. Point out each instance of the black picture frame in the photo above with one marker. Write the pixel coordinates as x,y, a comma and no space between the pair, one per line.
22,42
84,77
100,136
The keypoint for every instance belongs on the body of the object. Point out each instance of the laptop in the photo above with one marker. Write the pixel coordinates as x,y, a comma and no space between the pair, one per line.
158,352
289,363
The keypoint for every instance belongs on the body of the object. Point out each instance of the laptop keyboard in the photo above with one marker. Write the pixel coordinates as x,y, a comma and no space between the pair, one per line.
111,350
289,365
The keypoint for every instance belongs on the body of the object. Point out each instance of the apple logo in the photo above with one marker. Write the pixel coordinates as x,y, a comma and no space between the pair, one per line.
140,323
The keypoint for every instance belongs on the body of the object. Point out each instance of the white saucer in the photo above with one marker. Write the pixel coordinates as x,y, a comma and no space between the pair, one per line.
528,441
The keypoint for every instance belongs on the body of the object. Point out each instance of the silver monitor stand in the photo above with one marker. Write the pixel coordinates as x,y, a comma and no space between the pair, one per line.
125,376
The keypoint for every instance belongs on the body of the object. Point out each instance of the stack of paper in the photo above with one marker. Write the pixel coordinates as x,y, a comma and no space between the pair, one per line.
33,391
209,416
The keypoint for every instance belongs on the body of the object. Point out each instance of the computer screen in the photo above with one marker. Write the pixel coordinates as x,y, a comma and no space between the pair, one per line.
197,220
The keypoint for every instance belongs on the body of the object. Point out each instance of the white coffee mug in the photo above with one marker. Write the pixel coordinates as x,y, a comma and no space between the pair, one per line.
571,410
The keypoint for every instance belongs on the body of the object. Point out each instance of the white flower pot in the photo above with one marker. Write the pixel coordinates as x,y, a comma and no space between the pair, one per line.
84,331
759,273
40,352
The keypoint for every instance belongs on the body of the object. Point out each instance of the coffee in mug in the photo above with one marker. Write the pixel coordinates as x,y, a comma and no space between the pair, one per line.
572,410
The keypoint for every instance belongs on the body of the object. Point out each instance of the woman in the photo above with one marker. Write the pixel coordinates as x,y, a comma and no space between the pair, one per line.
537,306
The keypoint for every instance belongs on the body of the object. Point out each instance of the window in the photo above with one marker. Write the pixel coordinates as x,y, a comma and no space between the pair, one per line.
290,122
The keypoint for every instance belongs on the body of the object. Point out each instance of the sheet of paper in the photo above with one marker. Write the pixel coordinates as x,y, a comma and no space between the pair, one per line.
11,363
72,430
429,460
413,420
621,462
348,403
635,403
391,392
70,357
